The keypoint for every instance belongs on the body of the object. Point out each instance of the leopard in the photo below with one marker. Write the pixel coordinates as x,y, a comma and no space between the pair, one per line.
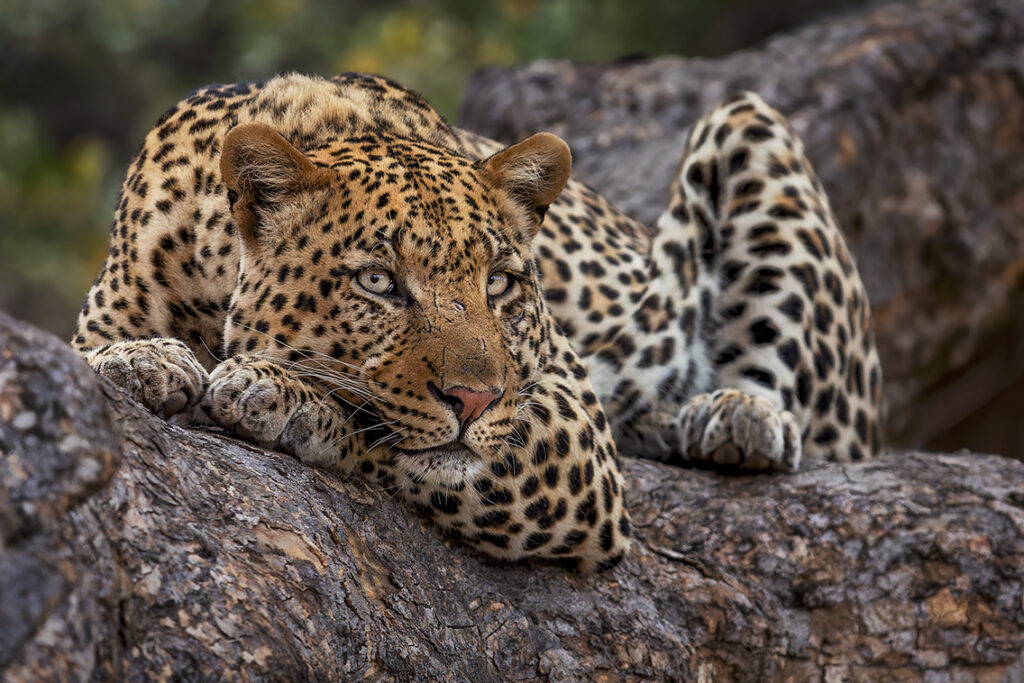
328,268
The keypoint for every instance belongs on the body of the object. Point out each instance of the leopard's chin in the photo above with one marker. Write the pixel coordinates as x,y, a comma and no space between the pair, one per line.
449,464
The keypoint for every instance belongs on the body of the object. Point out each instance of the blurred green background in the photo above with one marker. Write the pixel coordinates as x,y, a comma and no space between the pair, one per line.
82,81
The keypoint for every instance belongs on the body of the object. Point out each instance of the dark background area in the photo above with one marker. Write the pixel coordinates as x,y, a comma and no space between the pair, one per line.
81,83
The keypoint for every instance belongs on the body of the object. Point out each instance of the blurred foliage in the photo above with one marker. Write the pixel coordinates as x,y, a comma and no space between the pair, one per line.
82,80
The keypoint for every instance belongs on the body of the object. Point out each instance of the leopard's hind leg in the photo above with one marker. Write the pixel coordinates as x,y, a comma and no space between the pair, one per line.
789,332
752,346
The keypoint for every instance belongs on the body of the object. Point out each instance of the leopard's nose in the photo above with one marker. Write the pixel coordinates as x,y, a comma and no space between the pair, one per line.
466,403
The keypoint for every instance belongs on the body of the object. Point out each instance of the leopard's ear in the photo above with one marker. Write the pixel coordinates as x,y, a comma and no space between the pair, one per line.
263,171
532,172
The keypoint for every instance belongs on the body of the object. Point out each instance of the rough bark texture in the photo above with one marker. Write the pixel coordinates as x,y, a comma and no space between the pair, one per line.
914,119
136,549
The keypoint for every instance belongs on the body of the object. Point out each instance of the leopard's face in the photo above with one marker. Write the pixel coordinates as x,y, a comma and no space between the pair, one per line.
402,278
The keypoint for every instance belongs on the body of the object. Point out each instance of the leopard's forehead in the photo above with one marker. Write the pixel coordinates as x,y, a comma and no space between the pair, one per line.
391,168
417,203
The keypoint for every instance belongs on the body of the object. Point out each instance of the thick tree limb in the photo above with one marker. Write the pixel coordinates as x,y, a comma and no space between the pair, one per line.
134,548
914,119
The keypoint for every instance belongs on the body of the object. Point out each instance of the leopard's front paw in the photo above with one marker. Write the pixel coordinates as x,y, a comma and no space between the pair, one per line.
729,427
162,374
261,402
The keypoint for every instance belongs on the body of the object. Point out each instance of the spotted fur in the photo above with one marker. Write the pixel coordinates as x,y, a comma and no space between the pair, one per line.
746,340
328,268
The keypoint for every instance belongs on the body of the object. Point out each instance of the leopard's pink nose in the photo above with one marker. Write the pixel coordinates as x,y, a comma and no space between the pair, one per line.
467,404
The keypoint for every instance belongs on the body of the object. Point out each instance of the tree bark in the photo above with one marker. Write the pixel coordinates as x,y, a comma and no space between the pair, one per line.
135,549
914,118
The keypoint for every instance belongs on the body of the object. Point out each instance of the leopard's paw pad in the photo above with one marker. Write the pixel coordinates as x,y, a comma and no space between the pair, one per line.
162,374
262,403
729,427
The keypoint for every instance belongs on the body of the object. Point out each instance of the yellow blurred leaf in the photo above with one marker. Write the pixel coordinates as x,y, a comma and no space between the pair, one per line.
519,9
495,51
85,161
361,59
401,32
283,9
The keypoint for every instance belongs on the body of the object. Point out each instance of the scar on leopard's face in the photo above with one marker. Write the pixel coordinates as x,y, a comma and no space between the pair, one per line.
399,274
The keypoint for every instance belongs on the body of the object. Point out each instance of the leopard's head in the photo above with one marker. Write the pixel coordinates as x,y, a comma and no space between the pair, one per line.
401,277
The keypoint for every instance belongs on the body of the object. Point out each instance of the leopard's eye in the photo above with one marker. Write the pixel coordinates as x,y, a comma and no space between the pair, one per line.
498,283
376,280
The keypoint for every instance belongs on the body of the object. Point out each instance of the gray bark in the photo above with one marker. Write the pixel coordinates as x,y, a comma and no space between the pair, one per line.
914,119
134,549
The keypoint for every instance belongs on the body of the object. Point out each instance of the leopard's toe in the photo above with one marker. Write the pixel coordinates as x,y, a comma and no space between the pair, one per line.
162,374
730,428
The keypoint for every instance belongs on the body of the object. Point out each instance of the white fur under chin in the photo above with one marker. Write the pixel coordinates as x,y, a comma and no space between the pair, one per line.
441,466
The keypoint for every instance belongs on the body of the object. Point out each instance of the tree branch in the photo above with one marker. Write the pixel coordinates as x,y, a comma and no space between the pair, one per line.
134,548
